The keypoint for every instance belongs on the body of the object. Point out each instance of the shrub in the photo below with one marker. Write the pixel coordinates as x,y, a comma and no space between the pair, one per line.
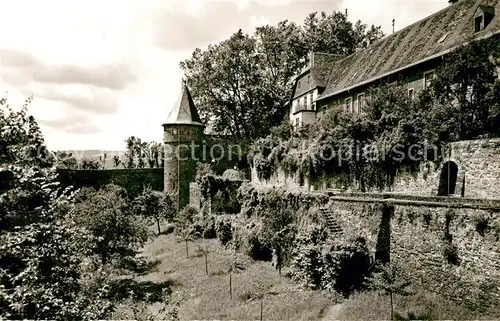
224,229
336,264
346,264
41,249
184,221
106,214
154,204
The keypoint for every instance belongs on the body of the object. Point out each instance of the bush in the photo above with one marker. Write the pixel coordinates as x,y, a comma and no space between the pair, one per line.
107,215
41,249
184,221
329,263
224,229
154,204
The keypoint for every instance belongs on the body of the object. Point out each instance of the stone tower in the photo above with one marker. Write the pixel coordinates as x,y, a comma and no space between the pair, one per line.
183,135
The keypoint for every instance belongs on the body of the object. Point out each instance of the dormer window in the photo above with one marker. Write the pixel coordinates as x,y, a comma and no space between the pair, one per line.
482,17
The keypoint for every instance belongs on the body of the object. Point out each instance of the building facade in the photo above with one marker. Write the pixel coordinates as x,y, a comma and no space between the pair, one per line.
409,56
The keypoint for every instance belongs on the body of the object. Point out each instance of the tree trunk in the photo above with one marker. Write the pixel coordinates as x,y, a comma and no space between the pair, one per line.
392,306
158,225
206,262
187,251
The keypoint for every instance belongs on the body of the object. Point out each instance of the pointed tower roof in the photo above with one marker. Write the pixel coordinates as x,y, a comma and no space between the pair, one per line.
184,111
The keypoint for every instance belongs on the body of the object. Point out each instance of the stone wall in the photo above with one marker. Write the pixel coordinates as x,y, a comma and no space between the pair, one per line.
451,248
453,252
478,174
133,180
478,163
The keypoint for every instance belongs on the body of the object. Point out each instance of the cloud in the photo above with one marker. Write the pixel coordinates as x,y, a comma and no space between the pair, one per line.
178,28
73,124
21,66
91,99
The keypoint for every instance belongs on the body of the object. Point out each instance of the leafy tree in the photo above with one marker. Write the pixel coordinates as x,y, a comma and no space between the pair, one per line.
391,279
116,161
333,33
106,214
131,151
241,84
102,160
88,163
41,250
65,160
466,92
154,204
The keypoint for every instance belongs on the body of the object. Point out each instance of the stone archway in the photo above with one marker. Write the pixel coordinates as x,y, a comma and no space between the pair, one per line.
448,179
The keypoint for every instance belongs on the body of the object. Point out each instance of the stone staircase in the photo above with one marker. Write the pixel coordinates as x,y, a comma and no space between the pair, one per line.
331,222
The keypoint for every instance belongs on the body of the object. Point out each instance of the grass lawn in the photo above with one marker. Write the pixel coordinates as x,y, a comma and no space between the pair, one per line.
203,296
207,297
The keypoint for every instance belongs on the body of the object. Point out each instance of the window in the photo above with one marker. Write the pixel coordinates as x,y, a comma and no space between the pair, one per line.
361,102
428,77
483,17
348,105
309,79
478,24
298,84
411,93
311,101
297,122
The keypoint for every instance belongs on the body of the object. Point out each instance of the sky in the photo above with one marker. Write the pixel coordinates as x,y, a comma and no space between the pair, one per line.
103,70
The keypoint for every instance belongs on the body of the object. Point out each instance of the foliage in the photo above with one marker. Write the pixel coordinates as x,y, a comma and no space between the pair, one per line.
65,160
141,153
241,84
391,279
184,221
88,163
467,92
337,264
154,204
41,249
116,233
224,229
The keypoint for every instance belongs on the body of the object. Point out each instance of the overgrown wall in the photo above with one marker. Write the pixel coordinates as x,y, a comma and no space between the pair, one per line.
447,245
451,251
133,180
478,176
478,163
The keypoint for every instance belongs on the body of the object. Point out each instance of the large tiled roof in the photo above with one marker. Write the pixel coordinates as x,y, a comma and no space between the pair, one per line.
425,39
184,111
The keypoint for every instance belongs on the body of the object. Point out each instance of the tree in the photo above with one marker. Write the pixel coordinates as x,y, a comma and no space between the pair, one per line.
102,160
391,279
466,91
117,161
41,250
156,205
106,215
65,160
131,151
88,163
241,84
